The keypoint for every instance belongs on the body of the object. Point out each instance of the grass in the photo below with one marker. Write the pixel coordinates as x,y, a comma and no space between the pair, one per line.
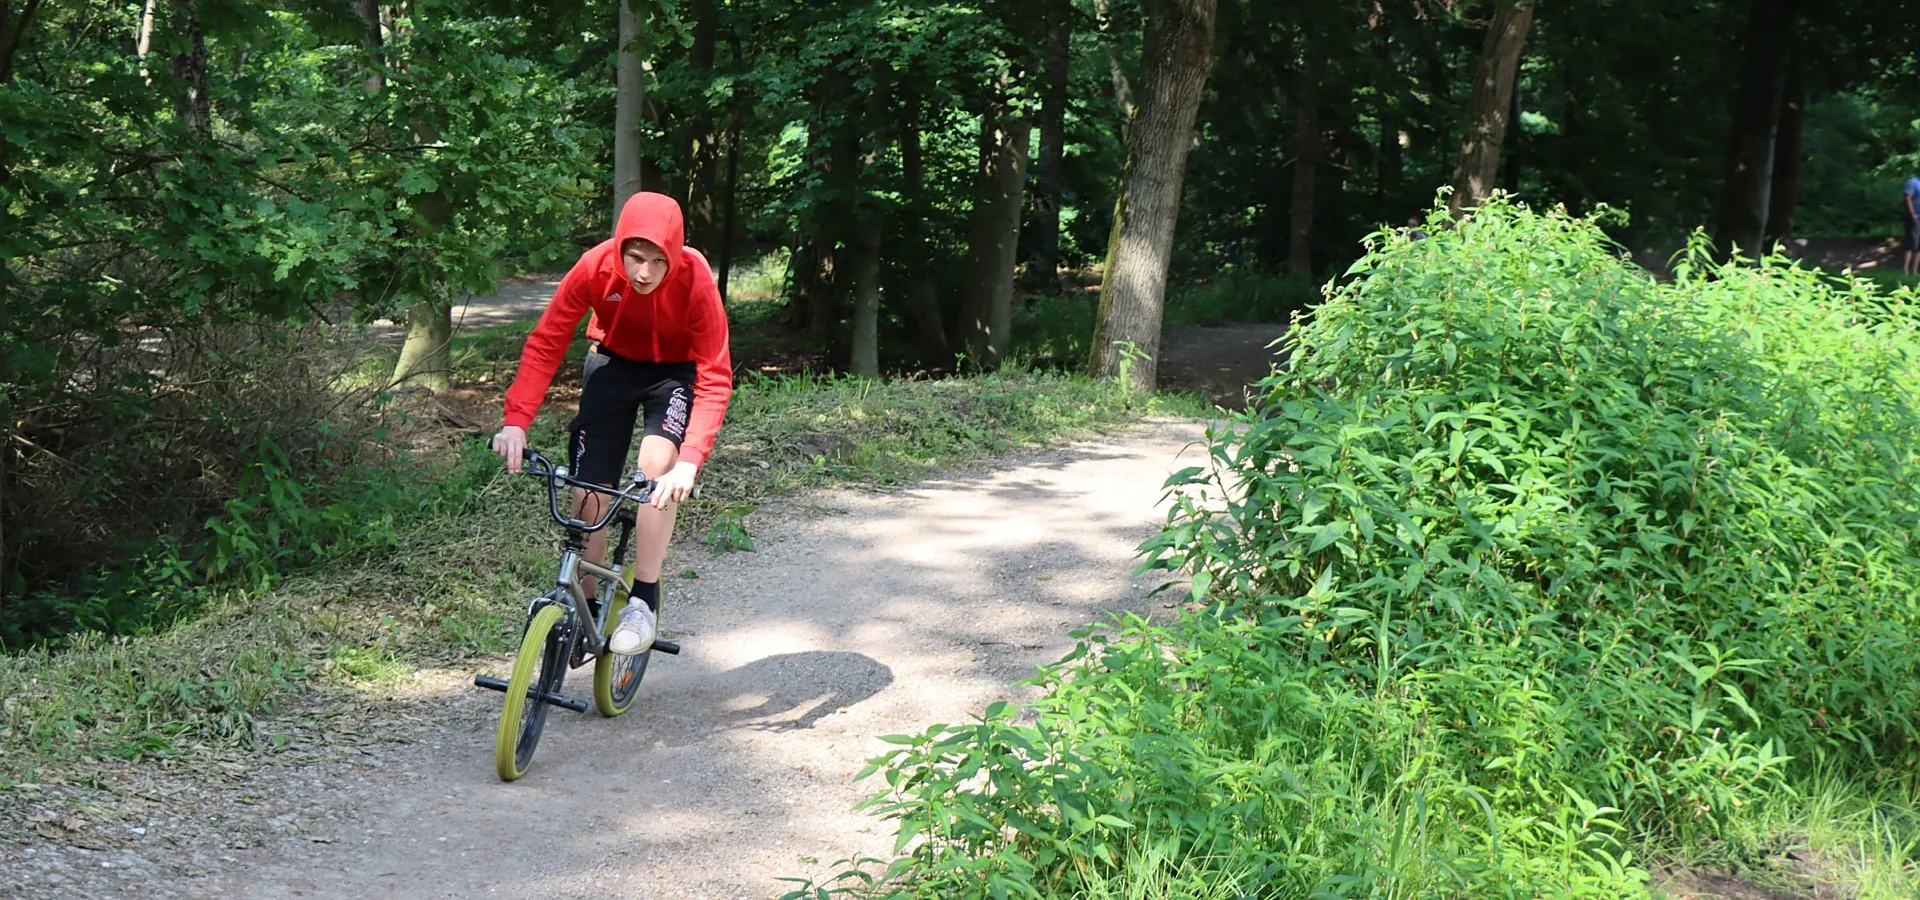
1055,330
453,585
1825,829
1241,296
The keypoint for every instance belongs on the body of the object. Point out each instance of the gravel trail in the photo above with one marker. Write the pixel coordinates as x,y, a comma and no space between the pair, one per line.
862,614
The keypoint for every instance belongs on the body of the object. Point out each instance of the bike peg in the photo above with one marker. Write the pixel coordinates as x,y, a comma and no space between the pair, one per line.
668,647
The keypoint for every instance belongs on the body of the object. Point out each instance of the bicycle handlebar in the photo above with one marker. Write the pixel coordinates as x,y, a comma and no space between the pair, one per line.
639,490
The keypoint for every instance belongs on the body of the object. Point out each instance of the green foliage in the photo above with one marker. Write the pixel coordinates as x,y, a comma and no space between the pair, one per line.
728,533
1525,560
166,396
1860,149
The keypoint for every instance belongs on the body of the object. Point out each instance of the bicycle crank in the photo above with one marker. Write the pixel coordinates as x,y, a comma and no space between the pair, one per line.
561,700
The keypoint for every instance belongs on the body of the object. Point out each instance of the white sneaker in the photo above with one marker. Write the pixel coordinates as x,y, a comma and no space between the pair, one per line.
635,632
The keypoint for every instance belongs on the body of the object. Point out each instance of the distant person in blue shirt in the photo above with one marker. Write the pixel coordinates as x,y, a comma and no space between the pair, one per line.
1910,208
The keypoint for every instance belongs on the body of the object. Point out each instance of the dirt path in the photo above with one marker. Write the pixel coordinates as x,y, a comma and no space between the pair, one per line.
862,614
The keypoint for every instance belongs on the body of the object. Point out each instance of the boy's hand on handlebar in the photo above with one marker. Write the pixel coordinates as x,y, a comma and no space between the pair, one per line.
511,443
674,486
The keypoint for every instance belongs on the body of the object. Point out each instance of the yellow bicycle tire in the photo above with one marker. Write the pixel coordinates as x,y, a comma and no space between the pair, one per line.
507,761
610,698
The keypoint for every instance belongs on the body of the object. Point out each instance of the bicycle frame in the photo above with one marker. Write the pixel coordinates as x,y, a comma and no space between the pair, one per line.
580,626
573,561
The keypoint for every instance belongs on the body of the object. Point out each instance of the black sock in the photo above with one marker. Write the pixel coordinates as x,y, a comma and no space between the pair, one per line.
648,591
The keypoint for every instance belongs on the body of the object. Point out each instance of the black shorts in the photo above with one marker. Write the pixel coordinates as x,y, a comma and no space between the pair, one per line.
1912,240
615,390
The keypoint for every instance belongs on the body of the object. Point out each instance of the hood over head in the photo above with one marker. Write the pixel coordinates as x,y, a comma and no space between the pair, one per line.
657,218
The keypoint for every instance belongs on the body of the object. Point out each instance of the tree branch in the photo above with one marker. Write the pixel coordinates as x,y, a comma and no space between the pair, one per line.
12,34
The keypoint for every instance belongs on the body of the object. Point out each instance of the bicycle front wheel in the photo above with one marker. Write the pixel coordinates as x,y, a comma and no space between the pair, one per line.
538,671
616,678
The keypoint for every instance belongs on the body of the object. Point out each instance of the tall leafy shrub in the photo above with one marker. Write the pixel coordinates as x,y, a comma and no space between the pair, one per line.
1523,556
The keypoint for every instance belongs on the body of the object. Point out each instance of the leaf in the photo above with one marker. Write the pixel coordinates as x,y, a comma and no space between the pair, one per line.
1333,531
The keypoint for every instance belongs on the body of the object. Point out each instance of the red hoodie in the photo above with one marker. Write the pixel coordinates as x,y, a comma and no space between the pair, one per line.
680,321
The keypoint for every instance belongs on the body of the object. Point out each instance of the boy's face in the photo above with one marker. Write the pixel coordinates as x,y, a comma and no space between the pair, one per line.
646,264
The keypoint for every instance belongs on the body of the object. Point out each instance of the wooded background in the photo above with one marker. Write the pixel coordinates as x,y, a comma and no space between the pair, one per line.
192,190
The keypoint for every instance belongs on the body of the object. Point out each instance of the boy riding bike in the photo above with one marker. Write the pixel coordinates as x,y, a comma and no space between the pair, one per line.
659,356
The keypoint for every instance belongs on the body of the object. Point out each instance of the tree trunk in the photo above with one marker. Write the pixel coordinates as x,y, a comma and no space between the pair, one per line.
1122,91
923,292
191,107
1510,156
731,204
1756,118
628,105
370,38
1178,57
1389,158
1784,195
869,217
866,297
143,40
6,453
1307,150
704,171
993,234
865,271
834,153
1043,268
13,32
426,359
1490,105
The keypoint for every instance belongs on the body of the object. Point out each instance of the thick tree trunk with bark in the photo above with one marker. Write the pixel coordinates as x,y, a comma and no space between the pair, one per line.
923,292
1178,58
1043,268
191,106
993,235
1784,197
702,214
629,104
1756,119
1491,104
1307,150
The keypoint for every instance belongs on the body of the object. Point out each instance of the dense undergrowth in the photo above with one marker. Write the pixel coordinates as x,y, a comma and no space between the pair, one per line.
1528,567
446,548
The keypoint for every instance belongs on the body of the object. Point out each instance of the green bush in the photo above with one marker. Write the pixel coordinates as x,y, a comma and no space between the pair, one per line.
1525,562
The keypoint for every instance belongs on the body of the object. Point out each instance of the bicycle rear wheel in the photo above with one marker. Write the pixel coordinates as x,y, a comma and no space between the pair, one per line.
539,669
616,678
